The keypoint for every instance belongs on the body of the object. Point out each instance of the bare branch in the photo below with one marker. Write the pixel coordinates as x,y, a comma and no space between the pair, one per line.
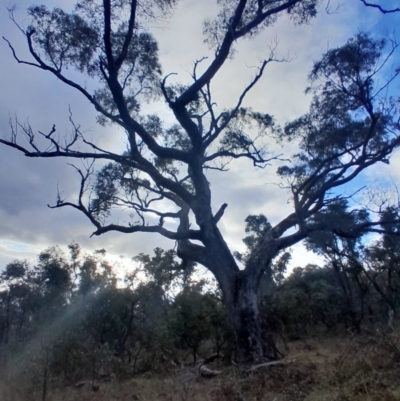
17,58
80,205
163,88
257,159
380,8
227,119
191,234
128,36
220,213
231,35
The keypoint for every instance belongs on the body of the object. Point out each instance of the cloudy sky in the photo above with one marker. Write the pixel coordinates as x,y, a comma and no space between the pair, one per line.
28,226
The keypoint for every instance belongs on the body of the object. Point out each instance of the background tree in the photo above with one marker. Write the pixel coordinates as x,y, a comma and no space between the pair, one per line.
310,299
100,328
382,264
190,320
161,177
342,255
109,330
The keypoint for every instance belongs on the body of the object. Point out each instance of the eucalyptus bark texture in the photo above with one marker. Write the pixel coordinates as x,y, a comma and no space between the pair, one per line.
245,320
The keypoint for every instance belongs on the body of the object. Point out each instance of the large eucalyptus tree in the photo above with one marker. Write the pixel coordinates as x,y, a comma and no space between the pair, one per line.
161,177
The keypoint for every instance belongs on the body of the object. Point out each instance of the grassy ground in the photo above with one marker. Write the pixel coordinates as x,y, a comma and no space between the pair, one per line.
364,368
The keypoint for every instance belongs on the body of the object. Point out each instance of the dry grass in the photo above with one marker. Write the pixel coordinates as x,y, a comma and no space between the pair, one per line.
360,368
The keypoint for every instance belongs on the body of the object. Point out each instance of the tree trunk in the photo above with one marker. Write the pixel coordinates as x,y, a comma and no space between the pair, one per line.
252,346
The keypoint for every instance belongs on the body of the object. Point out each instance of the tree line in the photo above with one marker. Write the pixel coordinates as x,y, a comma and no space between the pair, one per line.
69,317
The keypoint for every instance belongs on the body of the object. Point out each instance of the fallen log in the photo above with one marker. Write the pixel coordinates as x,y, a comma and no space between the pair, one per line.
269,364
207,372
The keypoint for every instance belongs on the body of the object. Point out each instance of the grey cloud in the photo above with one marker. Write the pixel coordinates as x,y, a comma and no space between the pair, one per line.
26,186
